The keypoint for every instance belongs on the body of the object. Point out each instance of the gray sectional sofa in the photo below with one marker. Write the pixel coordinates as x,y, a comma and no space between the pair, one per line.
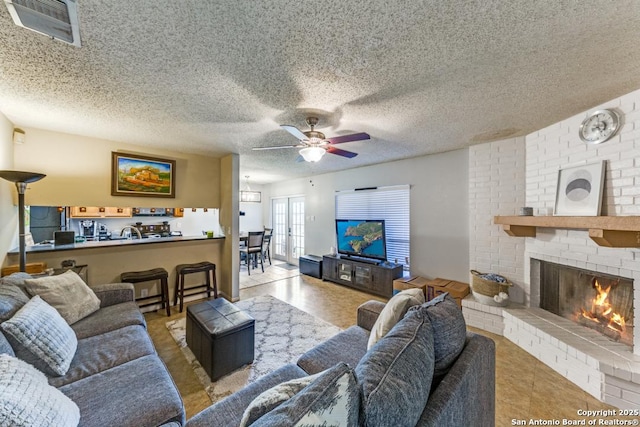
116,377
460,392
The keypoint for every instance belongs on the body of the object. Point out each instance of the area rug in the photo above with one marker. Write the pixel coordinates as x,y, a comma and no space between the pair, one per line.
282,334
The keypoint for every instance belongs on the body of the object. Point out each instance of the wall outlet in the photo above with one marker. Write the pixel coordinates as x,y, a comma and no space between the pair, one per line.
144,293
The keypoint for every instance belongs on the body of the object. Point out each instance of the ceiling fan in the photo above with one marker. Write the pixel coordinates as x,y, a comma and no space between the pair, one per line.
313,144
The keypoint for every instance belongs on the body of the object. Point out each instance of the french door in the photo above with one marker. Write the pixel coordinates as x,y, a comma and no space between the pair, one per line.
287,217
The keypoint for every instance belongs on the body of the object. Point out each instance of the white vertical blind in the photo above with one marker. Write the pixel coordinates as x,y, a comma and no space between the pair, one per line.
388,203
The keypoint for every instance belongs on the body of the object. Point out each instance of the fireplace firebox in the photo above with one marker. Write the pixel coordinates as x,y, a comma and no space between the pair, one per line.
592,299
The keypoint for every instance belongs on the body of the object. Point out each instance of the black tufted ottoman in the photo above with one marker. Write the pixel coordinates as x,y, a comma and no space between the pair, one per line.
221,336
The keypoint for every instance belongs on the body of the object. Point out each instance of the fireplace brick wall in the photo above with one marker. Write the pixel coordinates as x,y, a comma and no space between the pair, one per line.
558,146
498,185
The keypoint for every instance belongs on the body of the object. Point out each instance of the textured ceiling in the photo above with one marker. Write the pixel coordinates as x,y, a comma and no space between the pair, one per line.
421,77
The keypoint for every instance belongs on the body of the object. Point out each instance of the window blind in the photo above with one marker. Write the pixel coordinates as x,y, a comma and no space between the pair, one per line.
388,203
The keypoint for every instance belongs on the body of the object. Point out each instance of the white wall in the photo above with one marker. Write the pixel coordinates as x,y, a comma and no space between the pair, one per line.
439,208
252,220
8,211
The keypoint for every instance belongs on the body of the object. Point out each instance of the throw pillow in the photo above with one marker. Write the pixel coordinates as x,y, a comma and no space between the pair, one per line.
5,346
395,375
449,332
12,298
26,399
39,335
269,399
333,399
16,279
67,293
395,310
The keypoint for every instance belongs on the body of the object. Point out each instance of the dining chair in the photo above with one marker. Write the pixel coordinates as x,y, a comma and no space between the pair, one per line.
253,249
266,244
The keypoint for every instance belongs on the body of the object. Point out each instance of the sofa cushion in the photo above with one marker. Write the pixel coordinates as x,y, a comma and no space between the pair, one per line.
348,346
12,298
114,293
275,396
395,310
449,332
395,375
101,352
137,393
109,318
40,336
27,400
228,412
333,399
67,293
16,279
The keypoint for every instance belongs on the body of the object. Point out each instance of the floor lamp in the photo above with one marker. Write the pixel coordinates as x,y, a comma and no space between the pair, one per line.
21,180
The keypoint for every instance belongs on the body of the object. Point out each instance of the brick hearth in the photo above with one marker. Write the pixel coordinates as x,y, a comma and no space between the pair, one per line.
607,370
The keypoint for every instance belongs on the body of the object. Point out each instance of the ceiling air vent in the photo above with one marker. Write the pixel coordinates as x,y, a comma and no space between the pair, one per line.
54,18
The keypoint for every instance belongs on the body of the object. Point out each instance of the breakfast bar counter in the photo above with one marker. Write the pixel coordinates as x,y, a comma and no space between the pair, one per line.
111,243
107,259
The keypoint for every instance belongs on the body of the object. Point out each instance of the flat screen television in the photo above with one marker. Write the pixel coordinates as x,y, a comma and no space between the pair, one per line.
362,238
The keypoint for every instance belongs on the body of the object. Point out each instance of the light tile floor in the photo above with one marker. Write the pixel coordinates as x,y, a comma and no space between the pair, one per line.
277,270
525,388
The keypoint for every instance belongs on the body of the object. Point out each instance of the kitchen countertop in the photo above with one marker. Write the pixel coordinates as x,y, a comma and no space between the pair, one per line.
112,243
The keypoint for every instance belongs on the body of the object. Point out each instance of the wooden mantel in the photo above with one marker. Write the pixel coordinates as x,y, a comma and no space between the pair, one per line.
611,231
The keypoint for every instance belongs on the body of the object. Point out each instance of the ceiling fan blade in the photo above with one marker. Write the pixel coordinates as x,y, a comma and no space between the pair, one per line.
343,153
277,147
348,138
295,132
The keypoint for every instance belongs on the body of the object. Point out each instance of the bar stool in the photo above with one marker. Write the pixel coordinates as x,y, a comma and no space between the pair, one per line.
206,267
147,276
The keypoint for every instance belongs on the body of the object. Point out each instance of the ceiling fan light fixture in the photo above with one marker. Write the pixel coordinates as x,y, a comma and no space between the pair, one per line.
312,154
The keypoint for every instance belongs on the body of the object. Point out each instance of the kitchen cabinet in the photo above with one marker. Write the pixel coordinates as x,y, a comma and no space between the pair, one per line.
99,212
365,276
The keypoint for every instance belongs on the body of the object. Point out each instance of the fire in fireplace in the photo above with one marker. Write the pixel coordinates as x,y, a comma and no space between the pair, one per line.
601,315
595,300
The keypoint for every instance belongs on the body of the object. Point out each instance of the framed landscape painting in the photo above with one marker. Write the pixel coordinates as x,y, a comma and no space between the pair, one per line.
136,175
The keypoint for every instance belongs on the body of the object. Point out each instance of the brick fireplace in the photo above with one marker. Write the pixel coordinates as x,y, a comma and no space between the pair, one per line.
598,301
505,175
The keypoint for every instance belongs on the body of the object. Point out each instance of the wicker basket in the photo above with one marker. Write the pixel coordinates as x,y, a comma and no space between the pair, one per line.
486,287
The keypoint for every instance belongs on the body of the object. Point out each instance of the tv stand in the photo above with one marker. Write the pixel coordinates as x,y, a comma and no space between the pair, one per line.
363,274
359,259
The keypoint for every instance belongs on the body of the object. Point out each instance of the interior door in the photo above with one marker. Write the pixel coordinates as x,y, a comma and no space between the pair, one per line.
287,217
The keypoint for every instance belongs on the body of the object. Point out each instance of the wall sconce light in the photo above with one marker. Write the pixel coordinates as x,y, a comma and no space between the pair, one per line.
18,136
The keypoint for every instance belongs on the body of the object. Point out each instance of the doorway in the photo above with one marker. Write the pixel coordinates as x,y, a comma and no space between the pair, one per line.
287,215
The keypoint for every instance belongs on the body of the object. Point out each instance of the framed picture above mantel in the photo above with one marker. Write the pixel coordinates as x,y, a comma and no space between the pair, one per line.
142,176
579,190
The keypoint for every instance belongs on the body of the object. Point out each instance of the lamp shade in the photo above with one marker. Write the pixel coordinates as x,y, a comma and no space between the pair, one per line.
19,176
312,154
